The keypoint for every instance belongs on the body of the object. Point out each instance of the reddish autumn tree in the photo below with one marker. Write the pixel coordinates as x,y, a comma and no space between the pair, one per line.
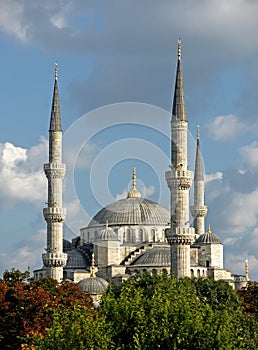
249,297
28,308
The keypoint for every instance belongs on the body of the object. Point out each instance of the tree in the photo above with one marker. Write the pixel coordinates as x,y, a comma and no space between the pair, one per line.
150,312
29,308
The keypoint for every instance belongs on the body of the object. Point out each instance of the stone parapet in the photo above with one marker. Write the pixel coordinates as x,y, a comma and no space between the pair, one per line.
180,235
53,214
179,179
55,170
199,211
54,259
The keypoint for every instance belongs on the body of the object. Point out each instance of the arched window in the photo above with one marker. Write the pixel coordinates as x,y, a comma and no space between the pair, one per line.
153,235
141,234
192,273
198,273
128,235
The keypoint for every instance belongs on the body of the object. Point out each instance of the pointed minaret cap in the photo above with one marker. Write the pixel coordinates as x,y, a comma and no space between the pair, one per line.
55,120
198,173
179,110
92,268
134,193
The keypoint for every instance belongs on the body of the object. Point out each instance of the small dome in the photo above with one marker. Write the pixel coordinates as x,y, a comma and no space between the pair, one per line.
154,257
208,238
93,285
75,260
108,234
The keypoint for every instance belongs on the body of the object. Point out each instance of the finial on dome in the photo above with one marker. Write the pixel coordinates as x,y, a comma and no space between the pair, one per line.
179,49
106,224
134,193
209,228
198,131
56,70
92,269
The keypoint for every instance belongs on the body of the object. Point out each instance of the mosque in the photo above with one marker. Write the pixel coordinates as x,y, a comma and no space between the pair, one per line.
135,234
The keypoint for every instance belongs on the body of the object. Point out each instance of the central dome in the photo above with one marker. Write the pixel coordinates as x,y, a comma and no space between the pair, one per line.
132,211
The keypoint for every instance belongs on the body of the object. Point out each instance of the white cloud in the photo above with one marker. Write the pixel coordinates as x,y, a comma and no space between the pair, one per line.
121,195
11,19
226,127
249,154
218,176
241,213
21,174
25,253
148,191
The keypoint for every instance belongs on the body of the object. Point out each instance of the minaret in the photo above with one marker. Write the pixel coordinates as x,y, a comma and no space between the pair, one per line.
180,236
246,270
54,259
199,210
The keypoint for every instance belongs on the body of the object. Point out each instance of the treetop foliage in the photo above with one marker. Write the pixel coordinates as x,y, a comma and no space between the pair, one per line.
146,312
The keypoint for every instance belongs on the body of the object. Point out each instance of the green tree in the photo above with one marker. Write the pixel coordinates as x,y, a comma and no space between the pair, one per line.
150,312
72,329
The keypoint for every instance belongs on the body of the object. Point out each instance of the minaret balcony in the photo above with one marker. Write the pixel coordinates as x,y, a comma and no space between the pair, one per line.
180,235
53,214
198,211
54,259
55,170
179,179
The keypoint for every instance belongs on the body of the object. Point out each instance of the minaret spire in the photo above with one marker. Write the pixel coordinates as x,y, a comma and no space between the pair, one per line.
179,110
55,120
180,236
246,270
199,210
54,259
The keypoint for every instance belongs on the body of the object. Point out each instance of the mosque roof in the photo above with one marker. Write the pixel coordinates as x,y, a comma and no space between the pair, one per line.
93,285
154,257
76,260
108,234
208,238
132,210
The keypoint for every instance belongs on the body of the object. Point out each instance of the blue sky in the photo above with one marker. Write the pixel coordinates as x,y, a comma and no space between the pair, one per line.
116,52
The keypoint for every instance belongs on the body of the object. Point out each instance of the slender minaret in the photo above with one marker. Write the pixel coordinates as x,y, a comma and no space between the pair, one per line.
246,270
199,210
180,236
54,259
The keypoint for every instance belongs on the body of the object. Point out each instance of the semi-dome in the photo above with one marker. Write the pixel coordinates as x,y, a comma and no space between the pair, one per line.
154,257
208,238
93,285
67,245
75,260
132,211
